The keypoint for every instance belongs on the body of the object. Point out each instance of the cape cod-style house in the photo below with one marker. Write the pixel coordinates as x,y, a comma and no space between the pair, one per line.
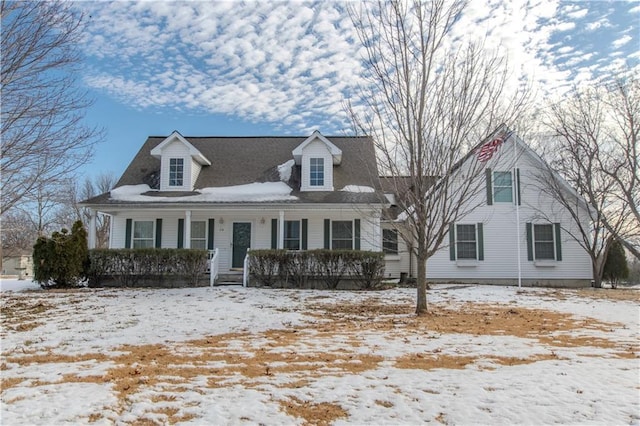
230,194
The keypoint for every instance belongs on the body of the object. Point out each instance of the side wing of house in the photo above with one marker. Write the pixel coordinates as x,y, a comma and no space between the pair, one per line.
517,231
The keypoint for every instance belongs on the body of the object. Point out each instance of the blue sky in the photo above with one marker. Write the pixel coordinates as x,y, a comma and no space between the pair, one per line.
280,68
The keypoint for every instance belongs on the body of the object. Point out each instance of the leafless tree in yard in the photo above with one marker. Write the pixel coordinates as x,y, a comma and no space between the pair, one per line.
77,192
595,150
43,137
429,100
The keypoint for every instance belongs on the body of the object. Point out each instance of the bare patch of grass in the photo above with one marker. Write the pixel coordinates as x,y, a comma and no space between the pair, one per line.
317,414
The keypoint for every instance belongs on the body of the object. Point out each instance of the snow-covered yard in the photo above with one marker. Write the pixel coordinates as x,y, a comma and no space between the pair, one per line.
233,355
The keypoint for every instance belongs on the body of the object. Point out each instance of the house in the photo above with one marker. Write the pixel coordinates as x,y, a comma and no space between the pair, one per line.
17,263
231,194
237,193
515,234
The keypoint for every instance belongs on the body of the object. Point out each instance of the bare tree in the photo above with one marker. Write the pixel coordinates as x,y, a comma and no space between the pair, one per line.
595,151
76,192
43,138
430,99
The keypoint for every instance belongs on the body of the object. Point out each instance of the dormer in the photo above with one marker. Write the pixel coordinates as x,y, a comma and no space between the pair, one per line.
317,156
180,163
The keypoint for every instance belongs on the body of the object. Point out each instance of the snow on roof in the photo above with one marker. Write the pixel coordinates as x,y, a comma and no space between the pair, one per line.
252,192
285,170
358,189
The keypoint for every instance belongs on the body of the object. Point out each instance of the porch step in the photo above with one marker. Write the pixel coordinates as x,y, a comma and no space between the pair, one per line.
229,279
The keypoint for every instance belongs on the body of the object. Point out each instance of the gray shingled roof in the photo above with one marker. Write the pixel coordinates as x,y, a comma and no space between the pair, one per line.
244,160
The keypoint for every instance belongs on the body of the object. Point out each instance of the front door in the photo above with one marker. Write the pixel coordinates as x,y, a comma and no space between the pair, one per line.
241,242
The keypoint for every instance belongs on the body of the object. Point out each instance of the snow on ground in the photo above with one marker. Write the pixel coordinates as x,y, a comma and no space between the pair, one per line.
234,355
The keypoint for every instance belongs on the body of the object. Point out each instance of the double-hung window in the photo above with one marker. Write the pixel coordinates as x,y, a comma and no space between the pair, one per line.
143,234
390,241
341,235
316,172
176,171
466,242
292,234
199,235
543,242
502,187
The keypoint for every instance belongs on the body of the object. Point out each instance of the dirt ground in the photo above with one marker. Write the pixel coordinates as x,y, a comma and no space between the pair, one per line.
235,358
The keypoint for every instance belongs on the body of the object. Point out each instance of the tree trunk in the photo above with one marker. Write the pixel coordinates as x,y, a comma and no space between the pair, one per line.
422,306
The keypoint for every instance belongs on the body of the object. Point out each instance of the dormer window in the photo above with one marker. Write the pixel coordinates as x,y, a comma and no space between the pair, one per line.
176,171
316,172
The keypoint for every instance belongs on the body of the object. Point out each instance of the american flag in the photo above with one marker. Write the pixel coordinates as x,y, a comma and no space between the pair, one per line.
488,149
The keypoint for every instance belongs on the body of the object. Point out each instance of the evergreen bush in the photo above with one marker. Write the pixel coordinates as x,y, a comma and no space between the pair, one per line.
62,259
616,267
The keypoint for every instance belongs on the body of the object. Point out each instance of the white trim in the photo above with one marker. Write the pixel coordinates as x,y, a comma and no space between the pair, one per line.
336,152
176,136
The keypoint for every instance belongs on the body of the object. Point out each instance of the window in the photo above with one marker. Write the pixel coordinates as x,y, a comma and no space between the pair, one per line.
390,241
502,187
292,235
143,234
342,235
466,247
176,171
316,172
543,242
199,235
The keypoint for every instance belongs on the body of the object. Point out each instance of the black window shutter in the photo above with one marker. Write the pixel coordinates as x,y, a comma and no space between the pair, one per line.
452,242
489,187
180,233
518,186
274,233
304,232
480,241
356,234
556,227
529,241
327,233
127,233
158,233
211,229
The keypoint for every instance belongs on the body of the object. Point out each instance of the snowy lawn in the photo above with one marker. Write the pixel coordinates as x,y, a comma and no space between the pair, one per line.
233,355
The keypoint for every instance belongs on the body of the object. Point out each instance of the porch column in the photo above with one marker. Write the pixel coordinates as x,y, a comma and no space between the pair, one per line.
281,230
187,229
92,229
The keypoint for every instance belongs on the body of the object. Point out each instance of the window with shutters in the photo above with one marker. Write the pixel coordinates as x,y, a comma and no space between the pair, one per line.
142,234
502,187
466,242
390,241
292,235
543,242
199,235
342,235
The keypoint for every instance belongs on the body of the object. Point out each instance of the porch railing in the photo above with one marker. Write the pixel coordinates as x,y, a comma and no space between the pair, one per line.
245,270
214,260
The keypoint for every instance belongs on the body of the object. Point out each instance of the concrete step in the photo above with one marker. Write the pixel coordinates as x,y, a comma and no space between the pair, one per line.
229,279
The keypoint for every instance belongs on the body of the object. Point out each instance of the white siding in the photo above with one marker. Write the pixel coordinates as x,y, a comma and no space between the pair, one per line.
192,169
502,233
195,171
317,149
260,227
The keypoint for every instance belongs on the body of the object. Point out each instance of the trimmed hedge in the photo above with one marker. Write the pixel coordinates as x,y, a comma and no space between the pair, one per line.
298,269
150,267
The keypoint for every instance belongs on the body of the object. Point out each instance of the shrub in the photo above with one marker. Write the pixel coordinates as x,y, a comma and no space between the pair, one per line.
616,267
62,259
148,267
296,268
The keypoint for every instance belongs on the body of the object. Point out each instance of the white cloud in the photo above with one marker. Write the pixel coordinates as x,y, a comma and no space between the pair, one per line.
622,41
293,63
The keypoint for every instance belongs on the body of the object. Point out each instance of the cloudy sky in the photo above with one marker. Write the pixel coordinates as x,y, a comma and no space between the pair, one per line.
270,68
